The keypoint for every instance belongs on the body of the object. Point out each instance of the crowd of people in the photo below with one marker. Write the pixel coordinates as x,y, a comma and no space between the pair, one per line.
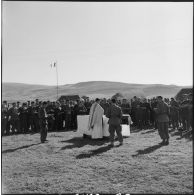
29,117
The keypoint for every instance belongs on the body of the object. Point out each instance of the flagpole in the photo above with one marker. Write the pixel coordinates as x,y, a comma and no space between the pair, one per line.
56,77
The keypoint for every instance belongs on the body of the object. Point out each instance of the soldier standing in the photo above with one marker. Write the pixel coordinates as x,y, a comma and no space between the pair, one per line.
42,114
50,118
4,118
14,118
87,105
115,115
184,111
162,112
105,105
174,113
67,115
58,115
23,118
75,113
134,104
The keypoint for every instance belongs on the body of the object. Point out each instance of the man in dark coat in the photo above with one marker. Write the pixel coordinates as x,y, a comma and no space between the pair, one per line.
13,118
134,104
74,116
42,114
162,112
23,118
105,105
185,114
33,117
115,115
58,115
174,113
87,105
4,118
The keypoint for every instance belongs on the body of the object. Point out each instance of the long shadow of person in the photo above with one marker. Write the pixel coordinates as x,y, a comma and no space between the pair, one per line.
147,150
94,152
78,142
19,148
150,131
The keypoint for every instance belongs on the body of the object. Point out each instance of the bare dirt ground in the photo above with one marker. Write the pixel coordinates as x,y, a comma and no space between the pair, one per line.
67,163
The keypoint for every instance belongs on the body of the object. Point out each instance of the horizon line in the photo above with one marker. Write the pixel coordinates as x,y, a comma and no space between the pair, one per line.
97,81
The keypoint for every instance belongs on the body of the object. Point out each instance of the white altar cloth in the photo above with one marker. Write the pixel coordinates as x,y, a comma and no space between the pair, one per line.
82,121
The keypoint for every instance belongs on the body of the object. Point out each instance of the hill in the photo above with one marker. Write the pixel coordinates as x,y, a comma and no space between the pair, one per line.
23,92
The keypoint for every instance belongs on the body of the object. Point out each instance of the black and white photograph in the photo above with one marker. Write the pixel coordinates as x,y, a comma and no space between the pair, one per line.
97,97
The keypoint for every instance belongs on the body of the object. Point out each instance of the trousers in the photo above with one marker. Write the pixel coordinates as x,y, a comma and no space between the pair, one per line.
163,130
43,130
118,129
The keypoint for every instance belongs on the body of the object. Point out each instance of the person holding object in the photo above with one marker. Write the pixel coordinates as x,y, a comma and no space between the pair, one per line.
95,124
115,115
162,112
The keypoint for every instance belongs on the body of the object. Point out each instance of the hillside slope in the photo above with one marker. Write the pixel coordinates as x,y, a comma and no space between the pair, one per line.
23,92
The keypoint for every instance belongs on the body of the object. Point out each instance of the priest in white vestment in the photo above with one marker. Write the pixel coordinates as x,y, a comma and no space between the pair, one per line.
95,125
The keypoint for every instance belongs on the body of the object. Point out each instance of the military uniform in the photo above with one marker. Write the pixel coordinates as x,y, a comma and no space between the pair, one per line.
185,114
87,106
115,115
58,115
67,117
105,106
50,118
162,112
42,114
33,118
133,111
4,120
74,118
23,119
14,119
174,114
145,114
139,117
153,116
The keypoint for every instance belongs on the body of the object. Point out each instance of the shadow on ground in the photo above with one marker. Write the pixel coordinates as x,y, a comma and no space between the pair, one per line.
78,142
94,152
19,148
150,131
147,150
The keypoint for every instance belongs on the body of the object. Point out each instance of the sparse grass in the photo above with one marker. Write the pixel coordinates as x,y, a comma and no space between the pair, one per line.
67,163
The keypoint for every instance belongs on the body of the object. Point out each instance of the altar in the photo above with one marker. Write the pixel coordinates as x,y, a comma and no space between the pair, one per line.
82,121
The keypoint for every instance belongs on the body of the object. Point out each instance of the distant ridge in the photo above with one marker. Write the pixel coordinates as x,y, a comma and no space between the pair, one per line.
23,92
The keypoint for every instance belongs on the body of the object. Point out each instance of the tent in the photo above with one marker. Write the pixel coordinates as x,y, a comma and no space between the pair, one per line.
69,97
185,91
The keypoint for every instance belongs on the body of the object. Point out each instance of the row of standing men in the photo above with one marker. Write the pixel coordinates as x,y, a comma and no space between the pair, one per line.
63,115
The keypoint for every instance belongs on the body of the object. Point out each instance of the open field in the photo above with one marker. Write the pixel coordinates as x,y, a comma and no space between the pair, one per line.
67,164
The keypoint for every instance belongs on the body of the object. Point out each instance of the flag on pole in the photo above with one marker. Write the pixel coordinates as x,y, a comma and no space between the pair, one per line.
53,65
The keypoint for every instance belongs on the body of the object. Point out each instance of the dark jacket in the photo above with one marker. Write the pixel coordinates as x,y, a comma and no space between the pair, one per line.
162,112
114,114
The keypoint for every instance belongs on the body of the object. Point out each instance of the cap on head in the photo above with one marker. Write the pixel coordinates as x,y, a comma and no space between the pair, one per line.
44,103
159,97
97,99
113,100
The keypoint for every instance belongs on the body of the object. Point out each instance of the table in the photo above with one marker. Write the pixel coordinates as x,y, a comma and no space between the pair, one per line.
82,121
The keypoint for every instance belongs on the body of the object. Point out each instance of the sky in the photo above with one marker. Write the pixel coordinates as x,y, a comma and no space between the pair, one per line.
131,42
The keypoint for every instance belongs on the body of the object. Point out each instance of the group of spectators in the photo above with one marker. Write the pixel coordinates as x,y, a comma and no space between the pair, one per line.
62,116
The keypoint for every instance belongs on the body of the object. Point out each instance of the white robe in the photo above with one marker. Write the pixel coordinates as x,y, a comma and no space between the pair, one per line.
95,120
